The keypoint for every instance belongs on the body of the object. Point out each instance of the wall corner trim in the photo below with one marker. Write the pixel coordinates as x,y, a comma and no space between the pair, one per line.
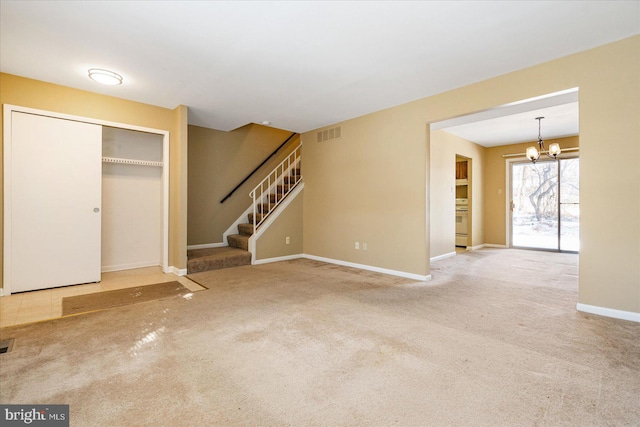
609,312
177,271
370,268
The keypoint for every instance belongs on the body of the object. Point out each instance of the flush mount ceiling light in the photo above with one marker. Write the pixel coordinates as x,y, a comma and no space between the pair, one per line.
105,77
532,152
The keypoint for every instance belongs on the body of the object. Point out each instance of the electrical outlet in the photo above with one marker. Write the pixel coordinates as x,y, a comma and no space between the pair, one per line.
364,246
287,240
357,245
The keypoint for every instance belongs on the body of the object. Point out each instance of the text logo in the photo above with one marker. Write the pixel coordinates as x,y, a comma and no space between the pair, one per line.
35,415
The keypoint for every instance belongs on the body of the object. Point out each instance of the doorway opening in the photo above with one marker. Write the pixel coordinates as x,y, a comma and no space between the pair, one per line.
495,138
463,219
545,205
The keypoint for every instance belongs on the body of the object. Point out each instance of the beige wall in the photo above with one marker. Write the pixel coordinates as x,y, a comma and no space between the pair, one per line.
30,93
372,184
444,148
272,243
132,232
218,161
496,190
178,151
369,187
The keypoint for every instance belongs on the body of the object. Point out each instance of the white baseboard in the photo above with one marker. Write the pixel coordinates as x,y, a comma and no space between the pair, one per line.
177,271
120,267
277,259
448,255
206,246
370,268
609,312
486,245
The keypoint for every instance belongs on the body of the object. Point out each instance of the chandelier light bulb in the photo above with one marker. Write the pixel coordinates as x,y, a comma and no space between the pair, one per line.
554,149
532,154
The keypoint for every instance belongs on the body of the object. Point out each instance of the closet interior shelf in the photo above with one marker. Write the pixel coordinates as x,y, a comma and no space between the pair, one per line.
132,162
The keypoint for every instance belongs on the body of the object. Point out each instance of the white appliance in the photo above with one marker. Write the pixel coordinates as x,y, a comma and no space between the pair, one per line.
462,222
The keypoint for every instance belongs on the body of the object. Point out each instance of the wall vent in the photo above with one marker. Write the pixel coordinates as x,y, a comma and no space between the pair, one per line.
6,345
329,134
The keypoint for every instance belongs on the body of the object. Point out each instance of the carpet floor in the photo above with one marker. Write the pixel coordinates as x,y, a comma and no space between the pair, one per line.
493,339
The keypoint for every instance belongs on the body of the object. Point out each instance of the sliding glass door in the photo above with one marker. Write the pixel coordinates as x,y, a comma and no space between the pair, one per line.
569,204
545,205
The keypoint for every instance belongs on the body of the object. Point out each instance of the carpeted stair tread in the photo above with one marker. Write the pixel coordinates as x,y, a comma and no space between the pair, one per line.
239,241
245,229
282,188
265,207
216,258
275,198
258,217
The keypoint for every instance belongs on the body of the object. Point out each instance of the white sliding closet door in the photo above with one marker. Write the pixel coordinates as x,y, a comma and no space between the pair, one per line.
55,202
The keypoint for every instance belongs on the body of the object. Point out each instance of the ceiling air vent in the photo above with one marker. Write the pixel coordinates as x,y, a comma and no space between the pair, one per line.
329,134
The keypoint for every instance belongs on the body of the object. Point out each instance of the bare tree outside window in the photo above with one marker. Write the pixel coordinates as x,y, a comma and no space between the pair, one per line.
543,202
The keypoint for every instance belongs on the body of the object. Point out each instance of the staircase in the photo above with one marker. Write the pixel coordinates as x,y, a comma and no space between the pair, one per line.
266,197
199,260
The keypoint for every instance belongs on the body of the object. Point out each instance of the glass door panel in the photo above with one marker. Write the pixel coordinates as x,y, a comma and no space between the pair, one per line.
545,207
535,205
570,204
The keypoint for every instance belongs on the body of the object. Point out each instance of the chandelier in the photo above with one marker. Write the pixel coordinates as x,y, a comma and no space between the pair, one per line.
533,153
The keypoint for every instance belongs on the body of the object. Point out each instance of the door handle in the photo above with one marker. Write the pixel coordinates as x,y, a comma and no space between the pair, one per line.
96,210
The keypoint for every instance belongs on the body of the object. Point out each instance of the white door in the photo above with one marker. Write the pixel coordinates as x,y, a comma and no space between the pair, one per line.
55,202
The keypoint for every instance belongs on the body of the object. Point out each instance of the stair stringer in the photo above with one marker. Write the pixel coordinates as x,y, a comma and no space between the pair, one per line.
233,228
271,218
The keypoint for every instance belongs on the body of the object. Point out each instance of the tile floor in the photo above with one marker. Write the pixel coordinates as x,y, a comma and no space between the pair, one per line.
34,306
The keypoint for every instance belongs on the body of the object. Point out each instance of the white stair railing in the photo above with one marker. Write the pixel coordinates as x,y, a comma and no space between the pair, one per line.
273,189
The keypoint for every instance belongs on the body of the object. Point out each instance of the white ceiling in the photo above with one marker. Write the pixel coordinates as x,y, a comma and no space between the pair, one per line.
299,65
559,121
514,123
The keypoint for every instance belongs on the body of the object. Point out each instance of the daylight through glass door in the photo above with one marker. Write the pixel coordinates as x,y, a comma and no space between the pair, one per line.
545,205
